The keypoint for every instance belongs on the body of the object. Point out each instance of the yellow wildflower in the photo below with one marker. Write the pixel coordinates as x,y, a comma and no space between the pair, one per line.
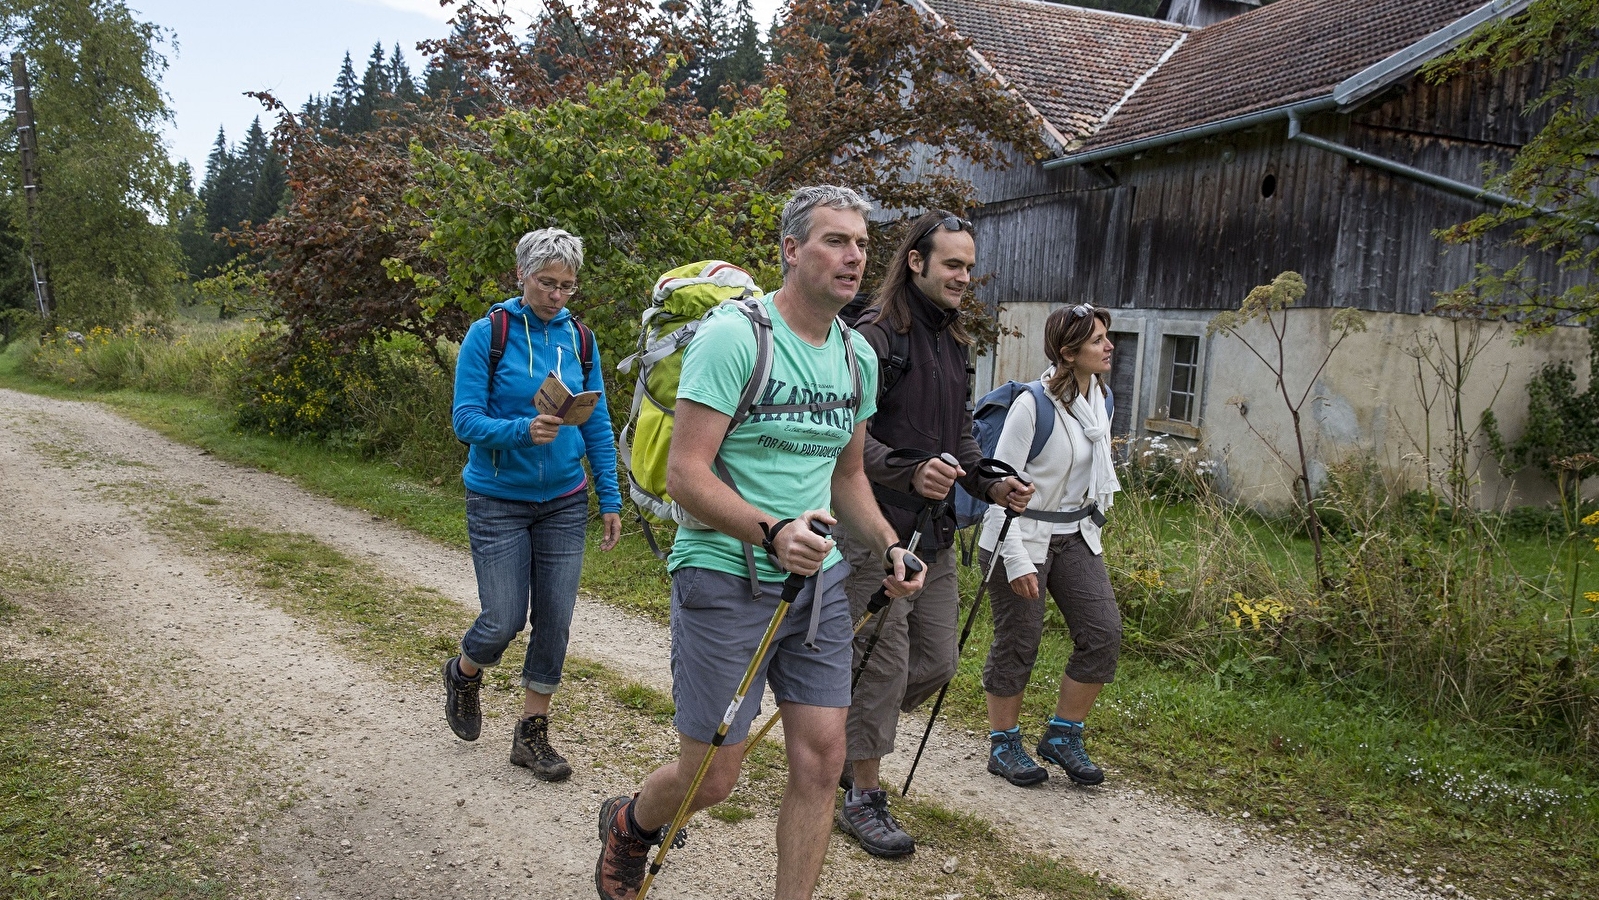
1592,518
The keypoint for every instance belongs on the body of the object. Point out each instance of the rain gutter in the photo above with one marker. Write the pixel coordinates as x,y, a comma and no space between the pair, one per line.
1351,90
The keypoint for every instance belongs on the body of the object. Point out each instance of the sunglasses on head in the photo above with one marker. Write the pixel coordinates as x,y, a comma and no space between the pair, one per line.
1082,309
955,223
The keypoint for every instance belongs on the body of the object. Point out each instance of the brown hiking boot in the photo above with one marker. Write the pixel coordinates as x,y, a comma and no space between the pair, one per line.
531,749
623,855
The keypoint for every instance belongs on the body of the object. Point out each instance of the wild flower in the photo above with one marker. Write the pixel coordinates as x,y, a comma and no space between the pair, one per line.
1263,611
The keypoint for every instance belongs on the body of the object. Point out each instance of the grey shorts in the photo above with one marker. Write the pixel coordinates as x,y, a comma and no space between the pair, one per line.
716,628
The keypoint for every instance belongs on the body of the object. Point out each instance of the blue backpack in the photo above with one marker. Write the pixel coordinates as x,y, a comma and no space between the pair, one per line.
988,419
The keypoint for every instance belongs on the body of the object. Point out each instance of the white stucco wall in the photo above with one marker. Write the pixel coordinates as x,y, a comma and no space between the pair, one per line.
1367,401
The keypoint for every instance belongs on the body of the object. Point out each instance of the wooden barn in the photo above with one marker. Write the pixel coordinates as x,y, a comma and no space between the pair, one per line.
1199,155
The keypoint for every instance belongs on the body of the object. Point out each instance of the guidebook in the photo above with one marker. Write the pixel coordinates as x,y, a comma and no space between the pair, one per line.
554,398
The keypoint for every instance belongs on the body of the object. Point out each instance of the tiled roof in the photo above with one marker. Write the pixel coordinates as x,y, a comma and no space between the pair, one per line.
1283,52
1073,65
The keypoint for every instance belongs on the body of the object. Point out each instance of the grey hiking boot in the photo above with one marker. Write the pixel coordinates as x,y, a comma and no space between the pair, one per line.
461,701
531,749
865,817
1063,746
1007,759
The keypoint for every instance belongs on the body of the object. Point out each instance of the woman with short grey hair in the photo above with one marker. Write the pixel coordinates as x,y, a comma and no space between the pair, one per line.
526,490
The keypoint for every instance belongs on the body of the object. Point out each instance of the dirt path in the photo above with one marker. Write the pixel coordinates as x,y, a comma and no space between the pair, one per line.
397,807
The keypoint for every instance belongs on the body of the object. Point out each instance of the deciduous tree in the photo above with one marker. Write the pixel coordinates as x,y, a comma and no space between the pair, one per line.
95,72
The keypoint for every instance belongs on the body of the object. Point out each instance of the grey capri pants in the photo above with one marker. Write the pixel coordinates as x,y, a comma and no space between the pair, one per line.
1076,578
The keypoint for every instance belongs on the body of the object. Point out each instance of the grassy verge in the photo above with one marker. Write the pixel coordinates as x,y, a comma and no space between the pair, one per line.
97,800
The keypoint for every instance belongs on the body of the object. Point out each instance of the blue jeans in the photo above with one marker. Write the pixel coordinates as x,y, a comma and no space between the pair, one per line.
528,558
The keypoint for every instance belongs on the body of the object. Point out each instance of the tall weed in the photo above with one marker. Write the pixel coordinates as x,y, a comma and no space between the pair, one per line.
1425,613
204,361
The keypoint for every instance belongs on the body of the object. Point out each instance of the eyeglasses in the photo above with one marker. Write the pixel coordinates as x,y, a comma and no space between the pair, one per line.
955,223
1082,309
550,286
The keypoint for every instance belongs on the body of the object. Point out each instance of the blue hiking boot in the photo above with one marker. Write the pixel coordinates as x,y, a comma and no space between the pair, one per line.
1063,746
1007,759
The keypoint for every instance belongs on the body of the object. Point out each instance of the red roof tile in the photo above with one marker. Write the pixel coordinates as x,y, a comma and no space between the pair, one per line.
1072,64
1283,52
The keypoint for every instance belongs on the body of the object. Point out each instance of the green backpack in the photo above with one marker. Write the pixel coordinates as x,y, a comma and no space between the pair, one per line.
682,298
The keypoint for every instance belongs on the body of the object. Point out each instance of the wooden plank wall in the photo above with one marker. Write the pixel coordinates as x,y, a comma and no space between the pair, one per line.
1189,227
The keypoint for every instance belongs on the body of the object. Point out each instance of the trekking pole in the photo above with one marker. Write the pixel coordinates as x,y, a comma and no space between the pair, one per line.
873,607
931,511
791,589
966,630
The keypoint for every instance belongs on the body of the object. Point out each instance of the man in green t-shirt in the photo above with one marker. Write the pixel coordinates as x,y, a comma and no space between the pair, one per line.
790,468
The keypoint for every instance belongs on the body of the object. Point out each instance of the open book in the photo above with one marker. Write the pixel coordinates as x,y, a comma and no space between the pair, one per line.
554,398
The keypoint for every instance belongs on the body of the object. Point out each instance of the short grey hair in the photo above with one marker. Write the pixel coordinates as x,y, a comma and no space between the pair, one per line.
797,214
548,246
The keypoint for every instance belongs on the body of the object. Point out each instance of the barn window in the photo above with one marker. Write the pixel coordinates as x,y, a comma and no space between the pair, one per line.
1179,368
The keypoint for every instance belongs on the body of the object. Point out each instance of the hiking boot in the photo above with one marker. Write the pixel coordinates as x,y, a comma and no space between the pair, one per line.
623,854
1007,759
460,701
1063,746
865,817
531,749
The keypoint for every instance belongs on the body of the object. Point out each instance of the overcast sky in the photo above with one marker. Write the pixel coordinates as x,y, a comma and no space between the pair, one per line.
292,48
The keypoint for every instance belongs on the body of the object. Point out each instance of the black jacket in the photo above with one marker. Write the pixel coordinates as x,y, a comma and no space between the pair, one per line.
926,409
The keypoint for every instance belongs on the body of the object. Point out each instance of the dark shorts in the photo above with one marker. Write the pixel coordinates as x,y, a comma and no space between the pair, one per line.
1076,578
716,628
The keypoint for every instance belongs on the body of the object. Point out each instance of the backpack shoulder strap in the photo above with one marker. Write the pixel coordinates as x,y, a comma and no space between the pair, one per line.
499,332
892,367
762,370
898,362
585,347
1043,419
854,366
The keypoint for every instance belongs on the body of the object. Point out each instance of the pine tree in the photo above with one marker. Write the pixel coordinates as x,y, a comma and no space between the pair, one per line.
708,70
361,116
255,158
746,60
400,80
220,192
346,94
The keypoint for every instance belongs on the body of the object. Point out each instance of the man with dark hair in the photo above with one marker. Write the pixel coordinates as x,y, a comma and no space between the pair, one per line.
914,327
790,467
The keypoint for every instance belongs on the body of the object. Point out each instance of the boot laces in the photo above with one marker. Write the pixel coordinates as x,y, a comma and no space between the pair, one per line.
536,737
466,695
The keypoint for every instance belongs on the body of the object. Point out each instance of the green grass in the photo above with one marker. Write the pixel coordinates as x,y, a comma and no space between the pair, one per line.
95,801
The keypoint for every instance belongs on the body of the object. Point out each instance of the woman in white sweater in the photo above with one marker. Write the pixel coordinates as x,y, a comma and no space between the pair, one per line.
1055,546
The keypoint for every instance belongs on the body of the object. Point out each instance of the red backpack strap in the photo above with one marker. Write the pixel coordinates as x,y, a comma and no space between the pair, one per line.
585,347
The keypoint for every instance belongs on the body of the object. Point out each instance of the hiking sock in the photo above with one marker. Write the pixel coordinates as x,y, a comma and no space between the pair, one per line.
1058,722
649,837
1013,730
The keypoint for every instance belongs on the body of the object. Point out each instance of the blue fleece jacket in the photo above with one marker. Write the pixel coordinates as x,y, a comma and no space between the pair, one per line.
503,461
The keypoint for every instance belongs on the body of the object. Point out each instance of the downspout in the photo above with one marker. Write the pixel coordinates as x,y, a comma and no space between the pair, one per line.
1449,185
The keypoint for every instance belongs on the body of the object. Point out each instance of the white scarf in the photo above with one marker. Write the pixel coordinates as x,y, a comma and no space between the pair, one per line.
1102,481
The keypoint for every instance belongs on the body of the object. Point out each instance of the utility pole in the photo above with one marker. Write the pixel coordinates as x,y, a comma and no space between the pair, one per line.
28,145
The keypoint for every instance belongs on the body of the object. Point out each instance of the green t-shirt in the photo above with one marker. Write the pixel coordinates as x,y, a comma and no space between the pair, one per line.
782,463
